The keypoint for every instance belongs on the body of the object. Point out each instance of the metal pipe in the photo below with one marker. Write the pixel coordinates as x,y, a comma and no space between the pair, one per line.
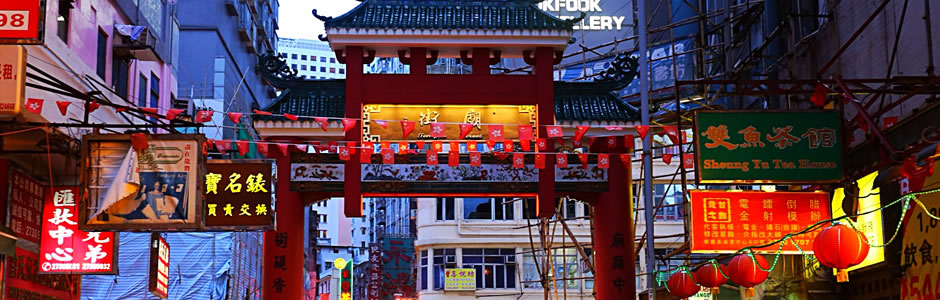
647,144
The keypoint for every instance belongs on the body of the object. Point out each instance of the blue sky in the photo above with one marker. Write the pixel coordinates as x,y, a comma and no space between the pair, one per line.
297,21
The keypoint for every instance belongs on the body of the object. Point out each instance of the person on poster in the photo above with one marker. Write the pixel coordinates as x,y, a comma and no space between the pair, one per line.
158,198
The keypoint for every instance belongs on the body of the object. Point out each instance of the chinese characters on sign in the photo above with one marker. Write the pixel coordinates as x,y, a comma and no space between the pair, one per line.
12,76
26,196
64,247
755,147
460,279
726,221
870,223
239,195
21,21
22,280
159,266
922,233
442,121
375,271
280,265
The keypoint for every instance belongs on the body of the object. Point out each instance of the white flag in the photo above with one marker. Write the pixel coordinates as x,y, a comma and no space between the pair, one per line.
126,183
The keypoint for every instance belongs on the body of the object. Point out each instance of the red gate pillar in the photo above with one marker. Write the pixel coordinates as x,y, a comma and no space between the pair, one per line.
545,99
354,81
614,260
283,275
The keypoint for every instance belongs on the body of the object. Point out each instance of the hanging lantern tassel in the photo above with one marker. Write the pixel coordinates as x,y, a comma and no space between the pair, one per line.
711,276
682,285
747,270
840,247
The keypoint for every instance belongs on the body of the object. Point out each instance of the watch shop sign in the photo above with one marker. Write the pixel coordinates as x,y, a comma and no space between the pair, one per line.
65,248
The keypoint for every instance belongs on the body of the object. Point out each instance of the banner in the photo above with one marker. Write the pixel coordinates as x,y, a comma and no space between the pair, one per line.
12,76
460,279
239,195
156,188
919,260
768,147
159,275
65,248
726,221
25,205
23,22
21,280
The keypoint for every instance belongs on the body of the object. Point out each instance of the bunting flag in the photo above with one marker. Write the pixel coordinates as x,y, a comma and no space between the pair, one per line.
688,161
222,146
349,124
120,109
432,158
420,145
465,129
301,147
626,159
453,158
382,123
34,105
385,145
628,141
554,131
437,130
611,142
508,146
365,155
667,158
501,155
526,145
291,117
324,123
490,145
283,149
93,106
406,128
673,133
454,146
343,153
540,160
242,147
591,141
580,131
139,141
471,146
262,148
203,116
236,117
603,161
576,143
475,159
152,111
518,160
887,122
541,144
525,132
333,146
561,159
320,148
388,157
583,157
351,146
642,130
64,107
261,112
172,113
819,95
496,133
437,147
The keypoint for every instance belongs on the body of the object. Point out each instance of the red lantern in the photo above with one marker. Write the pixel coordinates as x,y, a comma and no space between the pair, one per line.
840,247
747,270
681,285
710,276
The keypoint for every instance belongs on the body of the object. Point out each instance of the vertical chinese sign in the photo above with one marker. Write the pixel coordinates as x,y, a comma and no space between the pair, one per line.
375,271
26,196
397,262
159,275
768,147
12,77
239,195
919,260
279,266
726,221
65,248
22,21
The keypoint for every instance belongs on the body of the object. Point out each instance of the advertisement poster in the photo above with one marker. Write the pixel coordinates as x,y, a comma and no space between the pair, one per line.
67,249
239,195
460,279
25,205
156,188
922,264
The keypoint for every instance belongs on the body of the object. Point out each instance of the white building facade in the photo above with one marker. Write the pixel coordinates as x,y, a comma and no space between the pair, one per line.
312,59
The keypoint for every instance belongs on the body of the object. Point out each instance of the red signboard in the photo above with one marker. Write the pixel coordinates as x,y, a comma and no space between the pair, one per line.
25,205
726,221
159,266
22,21
65,248
23,281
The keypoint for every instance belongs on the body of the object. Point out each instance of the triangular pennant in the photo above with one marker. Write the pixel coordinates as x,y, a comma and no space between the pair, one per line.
406,128
508,146
283,149
93,106
496,133
667,158
34,105
561,159
490,145
343,153
365,154
540,160
465,129
453,158
580,131
583,157
525,132
139,141
454,146
321,148
152,111
437,146
222,146
172,113
541,144
475,159
324,123
301,147
262,148
643,130
603,161
236,117
688,161
437,130
262,113
63,106
819,95
349,124
120,109
420,145
526,145
673,133
518,160
626,159
388,156
431,158
291,117
501,155
554,131
242,147
382,123
471,146
203,116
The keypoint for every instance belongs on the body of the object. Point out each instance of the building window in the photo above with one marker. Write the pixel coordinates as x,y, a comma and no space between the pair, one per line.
63,19
567,263
313,58
303,57
101,67
283,55
487,209
495,268
313,68
423,280
332,70
119,77
332,60
142,91
322,58
293,66
672,204
303,67
342,71
530,208
323,69
445,209
154,93
443,259
293,56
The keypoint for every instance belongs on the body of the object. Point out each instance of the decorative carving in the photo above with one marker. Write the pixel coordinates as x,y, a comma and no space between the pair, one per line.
623,69
275,68
324,18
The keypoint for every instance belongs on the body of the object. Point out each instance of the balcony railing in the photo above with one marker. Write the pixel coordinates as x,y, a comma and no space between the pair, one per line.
136,43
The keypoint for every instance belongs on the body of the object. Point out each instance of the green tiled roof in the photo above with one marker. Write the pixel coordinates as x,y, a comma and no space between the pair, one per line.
448,14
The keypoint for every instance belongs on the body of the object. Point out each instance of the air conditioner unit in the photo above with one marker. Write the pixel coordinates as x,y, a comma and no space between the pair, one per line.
510,259
450,259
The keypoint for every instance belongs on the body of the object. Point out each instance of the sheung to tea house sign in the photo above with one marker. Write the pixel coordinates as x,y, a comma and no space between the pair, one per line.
768,147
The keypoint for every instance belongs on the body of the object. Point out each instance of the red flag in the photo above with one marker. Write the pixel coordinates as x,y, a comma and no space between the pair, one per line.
406,128
93,106
525,132
172,113
34,105
887,122
223,146
432,158
673,133
365,155
526,145
139,141
385,145
475,159
437,146
388,157
471,146
261,112
420,145
152,111
501,155
561,159
496,133
291,117
349,124
321,148
591,141
333,146
344,153
203,116
490,144
611,142
301,147
437,130
643,130
453,158
540,160
382,123
583,157
120,109
667,158
324,123
64,106
508,146
580,131
518,160
236,117
628,141
626,159
554,131
262,148
603,161
465,130
454,146
283,149
576,143
242,147
819,95
541,144
688,161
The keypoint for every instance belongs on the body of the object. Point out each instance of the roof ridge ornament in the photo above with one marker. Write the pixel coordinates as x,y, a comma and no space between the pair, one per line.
623,69
323,18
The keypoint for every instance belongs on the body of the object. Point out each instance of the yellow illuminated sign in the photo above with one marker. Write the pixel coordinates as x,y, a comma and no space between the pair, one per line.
869,224
376,119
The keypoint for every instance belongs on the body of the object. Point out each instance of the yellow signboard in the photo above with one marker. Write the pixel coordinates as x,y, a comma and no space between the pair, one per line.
460,279
869,199
12,79
922,276
381,122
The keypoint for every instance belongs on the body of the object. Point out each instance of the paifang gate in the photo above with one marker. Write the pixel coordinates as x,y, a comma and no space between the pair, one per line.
389,105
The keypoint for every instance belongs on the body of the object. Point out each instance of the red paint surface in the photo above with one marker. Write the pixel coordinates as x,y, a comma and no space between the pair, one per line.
290,220
22,281
613,234
544,91
355,85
